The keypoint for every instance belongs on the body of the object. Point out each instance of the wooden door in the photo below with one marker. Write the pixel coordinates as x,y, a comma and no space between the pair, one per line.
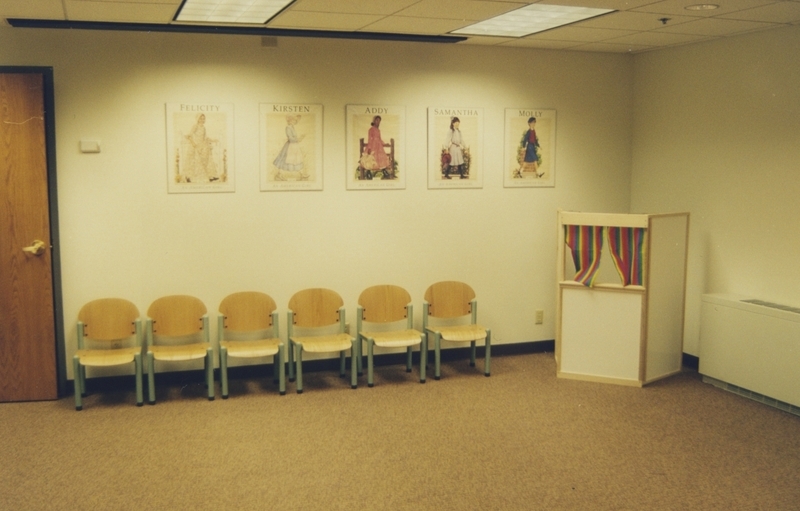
28,361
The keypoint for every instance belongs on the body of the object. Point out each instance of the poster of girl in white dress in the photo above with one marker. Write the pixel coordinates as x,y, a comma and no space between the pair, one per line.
200,147
291,146
530,148
455,147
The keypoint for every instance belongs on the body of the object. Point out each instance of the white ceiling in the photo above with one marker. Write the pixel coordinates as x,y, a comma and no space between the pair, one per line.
637,25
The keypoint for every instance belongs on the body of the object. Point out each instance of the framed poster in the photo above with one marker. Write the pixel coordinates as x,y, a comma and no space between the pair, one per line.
375,147
200,147
530,148
291,146
455,147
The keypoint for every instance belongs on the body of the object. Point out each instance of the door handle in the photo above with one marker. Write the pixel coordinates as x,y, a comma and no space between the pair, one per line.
37,248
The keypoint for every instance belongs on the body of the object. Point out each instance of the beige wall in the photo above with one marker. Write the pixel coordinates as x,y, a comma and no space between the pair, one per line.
123,235
711,128
717,132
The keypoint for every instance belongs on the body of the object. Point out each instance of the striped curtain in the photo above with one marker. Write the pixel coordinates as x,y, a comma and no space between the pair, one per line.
586,243
627,250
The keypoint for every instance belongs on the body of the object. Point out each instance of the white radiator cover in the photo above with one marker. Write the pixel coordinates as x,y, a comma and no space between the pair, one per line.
755,347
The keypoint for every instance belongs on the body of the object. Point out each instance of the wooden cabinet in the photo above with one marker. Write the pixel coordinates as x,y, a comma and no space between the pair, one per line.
627,335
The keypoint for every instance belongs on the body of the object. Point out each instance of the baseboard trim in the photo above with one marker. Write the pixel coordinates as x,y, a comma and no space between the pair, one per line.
691,362
124,383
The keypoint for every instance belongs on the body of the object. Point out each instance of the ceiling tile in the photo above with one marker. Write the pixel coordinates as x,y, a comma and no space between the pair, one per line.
487,40
385,7
175,3
580,34
657,38
471,10
116,11
409,25
40,9
617,5
542,44
323,20
780,12
612,48
678,7
632,21
715,27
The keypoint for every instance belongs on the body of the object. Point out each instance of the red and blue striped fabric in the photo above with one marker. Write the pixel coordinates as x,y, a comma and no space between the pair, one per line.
586,243
627,250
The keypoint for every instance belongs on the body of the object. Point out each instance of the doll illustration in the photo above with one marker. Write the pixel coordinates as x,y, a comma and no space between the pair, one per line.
453,155
290,158
530,156
373,158
199,166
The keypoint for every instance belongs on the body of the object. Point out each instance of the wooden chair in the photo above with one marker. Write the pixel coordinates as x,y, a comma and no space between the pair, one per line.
107,322
248,328
318,309
449,300
181,318
381,307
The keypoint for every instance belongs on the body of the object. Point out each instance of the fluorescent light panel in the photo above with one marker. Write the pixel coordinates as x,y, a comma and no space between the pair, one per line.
231,11
530,20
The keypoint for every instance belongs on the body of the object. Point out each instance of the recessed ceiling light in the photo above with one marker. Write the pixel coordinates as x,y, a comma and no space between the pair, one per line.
701,7
530,20
230,11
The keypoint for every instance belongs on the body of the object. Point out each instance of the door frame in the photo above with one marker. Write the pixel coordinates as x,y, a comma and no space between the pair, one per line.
52,196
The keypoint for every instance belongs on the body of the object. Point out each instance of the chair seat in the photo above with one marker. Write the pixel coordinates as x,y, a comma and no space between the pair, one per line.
179,352
394,339
250,349
324,343
461,333
112,357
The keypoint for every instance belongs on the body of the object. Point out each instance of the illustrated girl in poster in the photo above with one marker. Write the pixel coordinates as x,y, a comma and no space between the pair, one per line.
290,158
530,152
375,147
375,157
454,148
199,164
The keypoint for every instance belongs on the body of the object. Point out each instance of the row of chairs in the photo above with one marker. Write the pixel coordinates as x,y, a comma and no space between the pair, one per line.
177,329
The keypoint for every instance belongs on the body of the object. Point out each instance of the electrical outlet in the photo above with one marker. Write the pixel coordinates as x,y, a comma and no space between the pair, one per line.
539,316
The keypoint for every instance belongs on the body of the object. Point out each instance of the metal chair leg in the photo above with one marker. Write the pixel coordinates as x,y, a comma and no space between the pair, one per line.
299,375
76,369
370,363
210,373
281,371
291,360
437,346
423,357
488,359
151,380
137,361
223,371
354,356
472,350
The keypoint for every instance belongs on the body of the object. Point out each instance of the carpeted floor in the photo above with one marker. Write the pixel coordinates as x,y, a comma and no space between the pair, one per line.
522,439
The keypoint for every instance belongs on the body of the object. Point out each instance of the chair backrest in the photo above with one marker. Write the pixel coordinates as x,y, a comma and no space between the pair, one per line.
449,299
177,315
108,319
247,311
315,307
384,303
